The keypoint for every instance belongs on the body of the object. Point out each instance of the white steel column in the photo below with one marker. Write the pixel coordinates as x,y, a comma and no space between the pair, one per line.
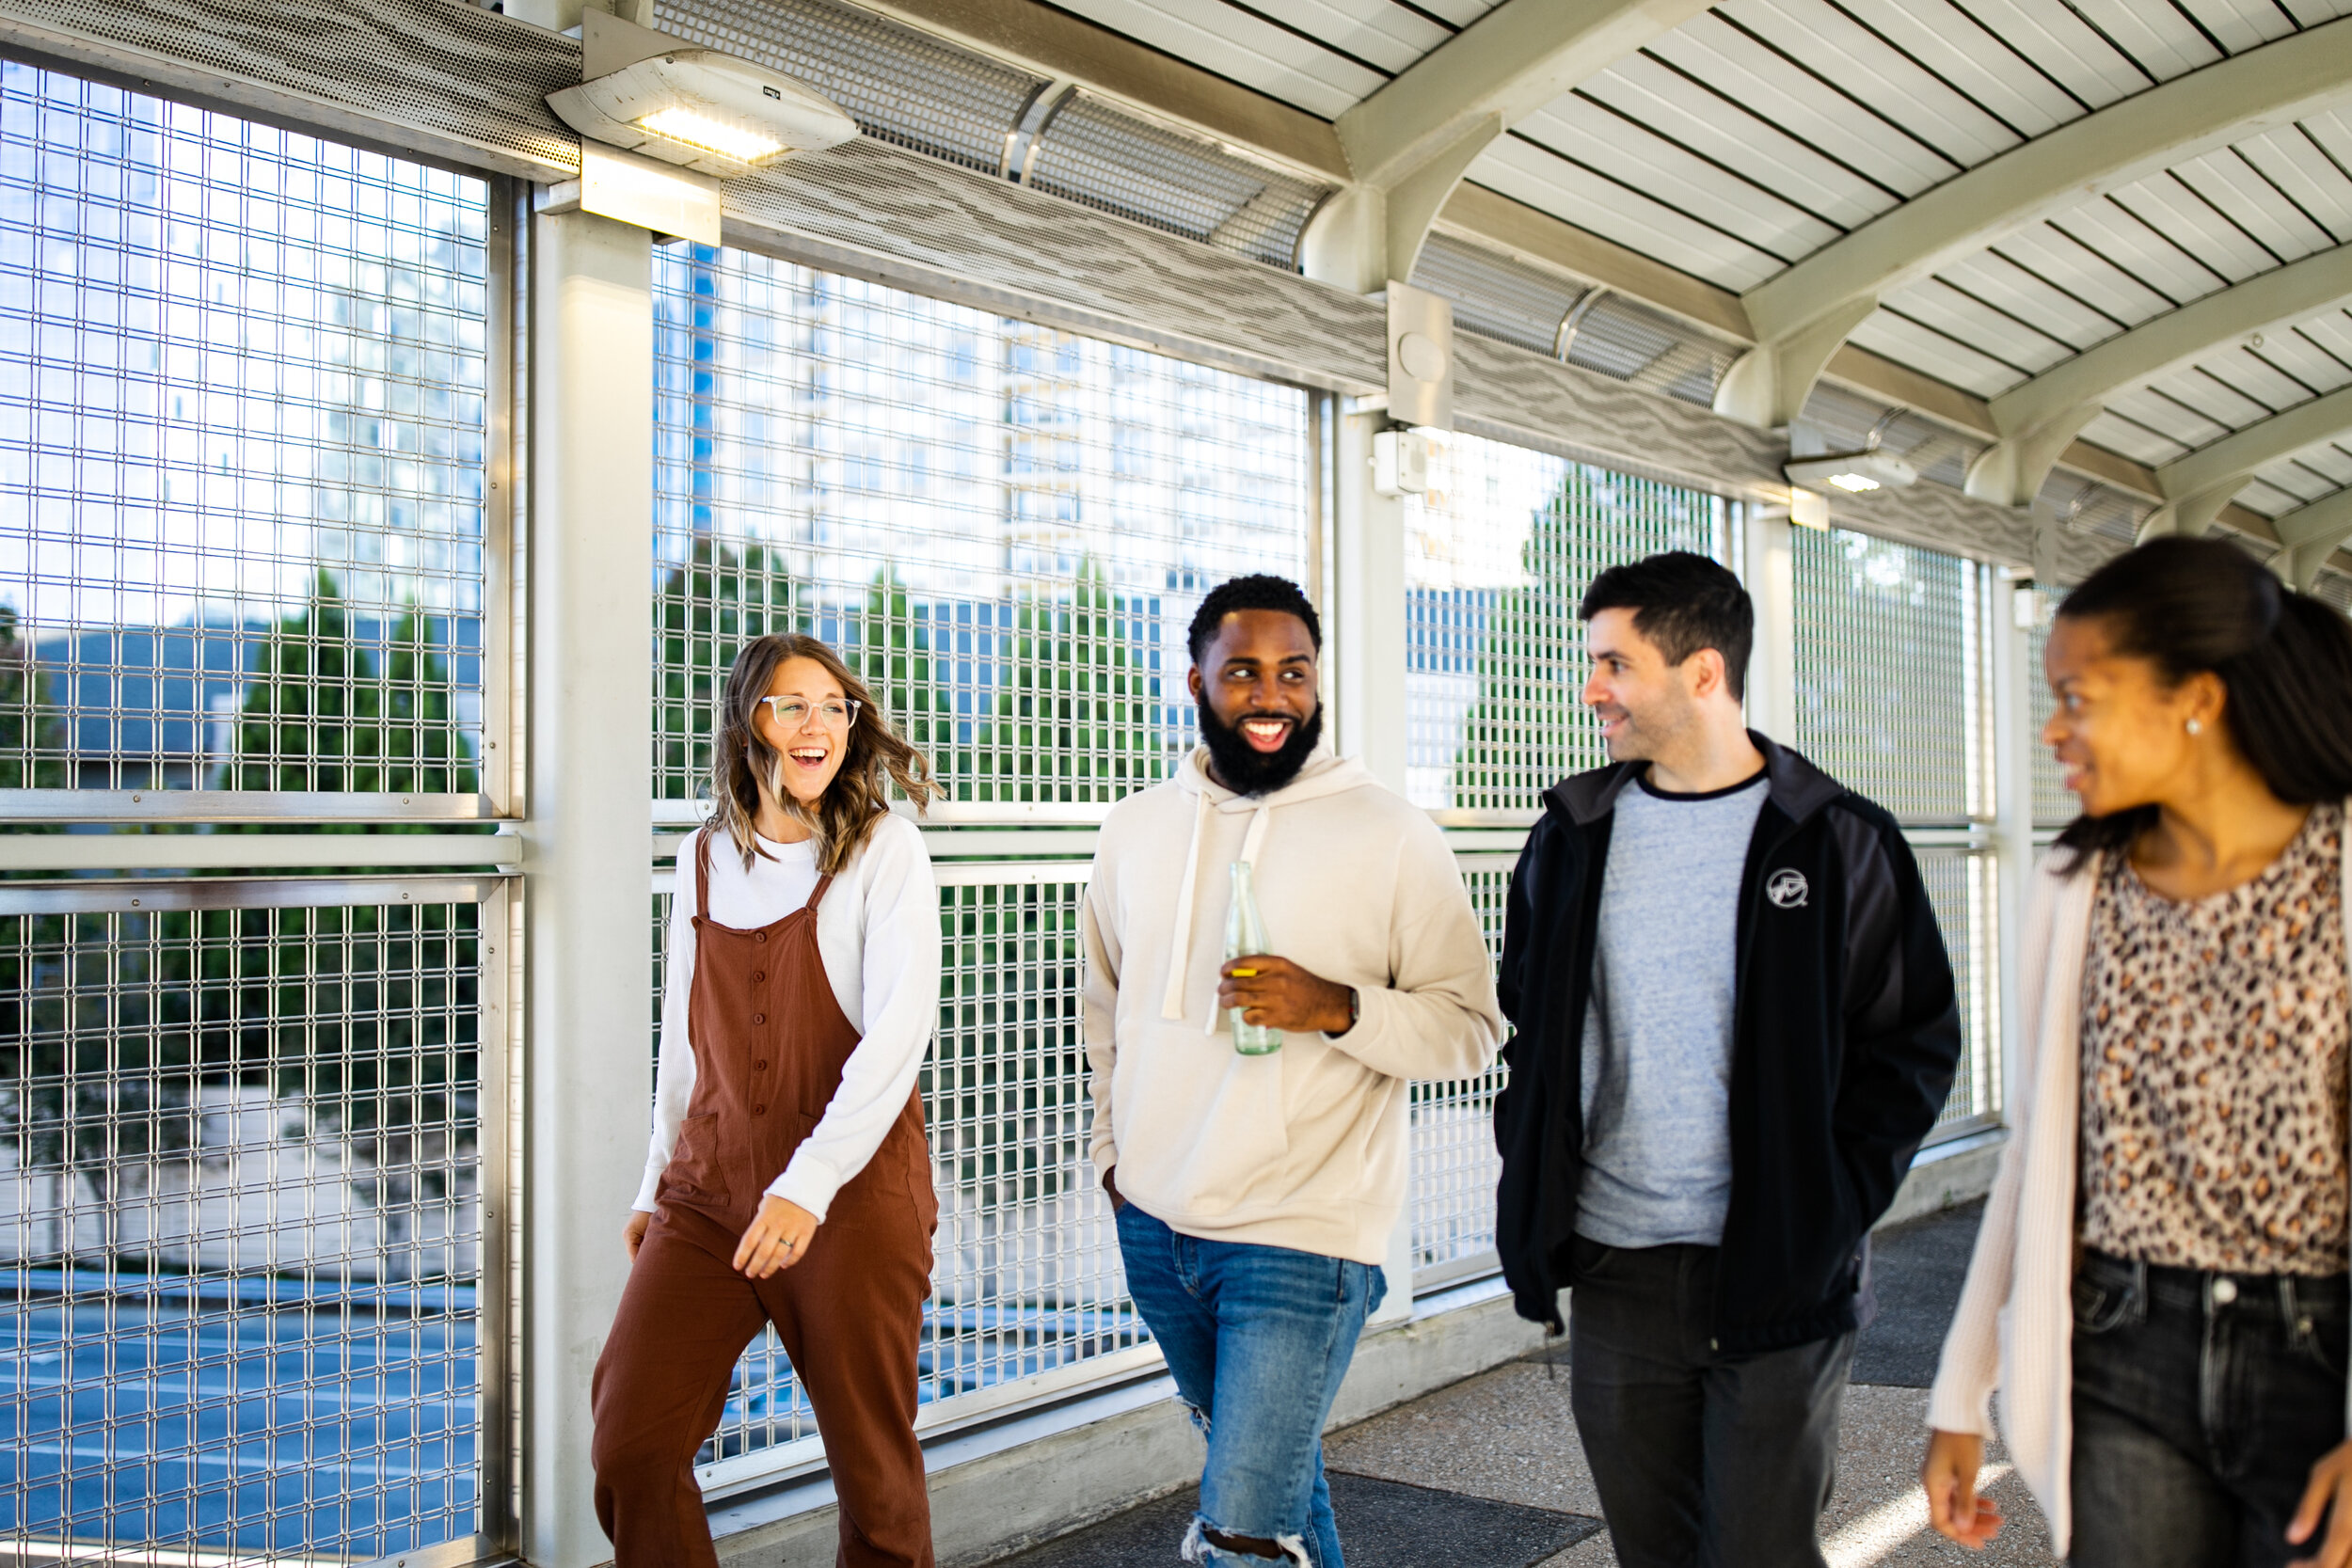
1368,654
1768,567
589,950
2013,743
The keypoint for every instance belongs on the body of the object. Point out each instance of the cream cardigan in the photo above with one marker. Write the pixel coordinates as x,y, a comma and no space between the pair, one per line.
2015,1324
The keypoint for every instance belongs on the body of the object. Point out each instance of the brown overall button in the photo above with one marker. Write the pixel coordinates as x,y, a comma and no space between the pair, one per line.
759,1017
759,1066
758,975
763,936
760,1110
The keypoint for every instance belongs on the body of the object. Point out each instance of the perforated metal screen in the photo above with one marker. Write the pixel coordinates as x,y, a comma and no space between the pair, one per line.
1497,556
241,455
1095,154
244,1134
1006,528
898,84
1893,681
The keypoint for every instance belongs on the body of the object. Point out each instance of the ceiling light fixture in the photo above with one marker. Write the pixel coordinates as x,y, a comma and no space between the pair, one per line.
704,110
1855,472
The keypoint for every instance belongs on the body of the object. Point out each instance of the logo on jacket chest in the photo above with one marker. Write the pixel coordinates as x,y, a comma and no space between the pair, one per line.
1787,889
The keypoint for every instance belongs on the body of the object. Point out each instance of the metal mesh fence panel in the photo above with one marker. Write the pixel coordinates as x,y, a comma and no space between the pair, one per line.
242,1163
1454,1165
1892,674
1026,1282
2054,804
1497,556
1006,528
242,402
1960,885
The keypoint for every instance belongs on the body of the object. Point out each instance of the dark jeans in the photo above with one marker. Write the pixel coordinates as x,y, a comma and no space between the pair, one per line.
1700,1458
2201,1401
1258,1338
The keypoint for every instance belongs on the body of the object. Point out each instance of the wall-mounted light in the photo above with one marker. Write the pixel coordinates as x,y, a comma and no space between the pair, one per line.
1854,472
705,111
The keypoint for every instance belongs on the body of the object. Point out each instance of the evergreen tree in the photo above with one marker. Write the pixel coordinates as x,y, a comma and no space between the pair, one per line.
32,732
1074,714
311,704
424,752
893,657
708,606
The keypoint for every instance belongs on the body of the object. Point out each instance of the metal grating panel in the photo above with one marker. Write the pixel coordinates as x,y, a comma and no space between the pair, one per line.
1170,179
457,83
1026,1282
898,84
1497,554
1497,296
2054,804
1006,527
1962,886
1892,679
245,1312
241,409
1628,341
1450,1195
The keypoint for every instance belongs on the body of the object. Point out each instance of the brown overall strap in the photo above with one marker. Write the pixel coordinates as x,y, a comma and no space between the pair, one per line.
702,872
818,897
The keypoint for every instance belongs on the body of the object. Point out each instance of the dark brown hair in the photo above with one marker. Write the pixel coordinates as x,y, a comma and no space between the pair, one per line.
2285,659
858,797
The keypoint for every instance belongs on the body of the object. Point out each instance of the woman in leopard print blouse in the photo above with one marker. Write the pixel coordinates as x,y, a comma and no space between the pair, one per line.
2177,1169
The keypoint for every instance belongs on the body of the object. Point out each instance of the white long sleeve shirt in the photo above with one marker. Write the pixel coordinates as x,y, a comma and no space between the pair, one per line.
878,933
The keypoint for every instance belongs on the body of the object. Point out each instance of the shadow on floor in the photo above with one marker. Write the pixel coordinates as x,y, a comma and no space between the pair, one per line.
1383,1524
1915,1272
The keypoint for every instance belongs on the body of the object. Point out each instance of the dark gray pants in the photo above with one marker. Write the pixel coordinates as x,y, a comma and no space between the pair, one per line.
1700,1458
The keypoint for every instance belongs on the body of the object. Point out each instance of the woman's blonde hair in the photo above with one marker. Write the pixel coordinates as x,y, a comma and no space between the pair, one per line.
858,797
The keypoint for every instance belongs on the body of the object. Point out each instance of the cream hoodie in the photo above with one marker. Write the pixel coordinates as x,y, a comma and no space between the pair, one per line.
1306,1148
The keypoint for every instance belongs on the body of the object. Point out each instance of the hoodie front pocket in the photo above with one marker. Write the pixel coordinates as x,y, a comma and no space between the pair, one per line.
1201,1128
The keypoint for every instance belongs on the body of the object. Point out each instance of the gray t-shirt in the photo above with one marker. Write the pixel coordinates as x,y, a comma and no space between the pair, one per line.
1658,1036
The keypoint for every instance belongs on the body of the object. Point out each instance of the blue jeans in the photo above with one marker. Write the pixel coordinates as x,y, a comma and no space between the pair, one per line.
2201,1401
1258,1338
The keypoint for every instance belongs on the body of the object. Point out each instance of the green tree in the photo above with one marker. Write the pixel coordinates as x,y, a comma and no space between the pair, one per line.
1072,719
311,702
893,657
708,606
32,732
1526,729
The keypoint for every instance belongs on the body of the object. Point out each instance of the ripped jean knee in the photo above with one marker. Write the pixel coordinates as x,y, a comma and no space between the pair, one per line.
1199,1548
1199,1417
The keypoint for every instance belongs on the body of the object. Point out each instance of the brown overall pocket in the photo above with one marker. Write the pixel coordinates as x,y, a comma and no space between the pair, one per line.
693,1168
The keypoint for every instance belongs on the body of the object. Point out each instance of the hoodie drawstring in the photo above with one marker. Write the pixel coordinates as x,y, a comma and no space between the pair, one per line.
1187,897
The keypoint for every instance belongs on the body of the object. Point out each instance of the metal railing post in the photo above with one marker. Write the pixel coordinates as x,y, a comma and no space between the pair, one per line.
588,947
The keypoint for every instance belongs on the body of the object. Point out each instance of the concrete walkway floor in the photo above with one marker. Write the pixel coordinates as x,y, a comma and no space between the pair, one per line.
1490,1473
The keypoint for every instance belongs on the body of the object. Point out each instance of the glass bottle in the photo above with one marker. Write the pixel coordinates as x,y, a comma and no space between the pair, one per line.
1245,935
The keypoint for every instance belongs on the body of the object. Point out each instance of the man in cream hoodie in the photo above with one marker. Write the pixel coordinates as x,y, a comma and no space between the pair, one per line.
1256,1193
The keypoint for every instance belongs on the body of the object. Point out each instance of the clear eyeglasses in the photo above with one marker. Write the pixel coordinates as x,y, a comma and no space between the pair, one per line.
792,712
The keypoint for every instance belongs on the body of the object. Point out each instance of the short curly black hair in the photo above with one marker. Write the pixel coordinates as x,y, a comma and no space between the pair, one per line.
1257,591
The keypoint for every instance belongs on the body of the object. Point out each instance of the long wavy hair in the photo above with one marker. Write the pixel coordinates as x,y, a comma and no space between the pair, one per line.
858,798
2284,658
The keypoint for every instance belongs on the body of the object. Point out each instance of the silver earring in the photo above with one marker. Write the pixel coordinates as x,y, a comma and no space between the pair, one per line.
2197,726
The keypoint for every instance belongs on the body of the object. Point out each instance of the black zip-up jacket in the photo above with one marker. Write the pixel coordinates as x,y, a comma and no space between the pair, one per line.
1845,1030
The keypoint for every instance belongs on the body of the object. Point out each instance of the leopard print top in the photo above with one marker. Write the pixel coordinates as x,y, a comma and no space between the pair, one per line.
2214,1046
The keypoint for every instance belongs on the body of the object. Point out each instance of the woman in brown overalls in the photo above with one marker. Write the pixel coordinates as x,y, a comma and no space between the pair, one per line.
789,1180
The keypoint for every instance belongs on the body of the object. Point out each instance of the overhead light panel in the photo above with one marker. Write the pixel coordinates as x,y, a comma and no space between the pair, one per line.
1854,472
705,111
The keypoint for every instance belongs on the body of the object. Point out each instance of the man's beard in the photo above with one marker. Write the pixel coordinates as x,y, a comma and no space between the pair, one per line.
1245,769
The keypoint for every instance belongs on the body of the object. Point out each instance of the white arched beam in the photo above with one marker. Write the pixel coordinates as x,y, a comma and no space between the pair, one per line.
1408,144
1803,313
2040,418
2310,535
2198,486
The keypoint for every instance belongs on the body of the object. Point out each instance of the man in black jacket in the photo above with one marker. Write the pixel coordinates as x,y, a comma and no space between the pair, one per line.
1734,1021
